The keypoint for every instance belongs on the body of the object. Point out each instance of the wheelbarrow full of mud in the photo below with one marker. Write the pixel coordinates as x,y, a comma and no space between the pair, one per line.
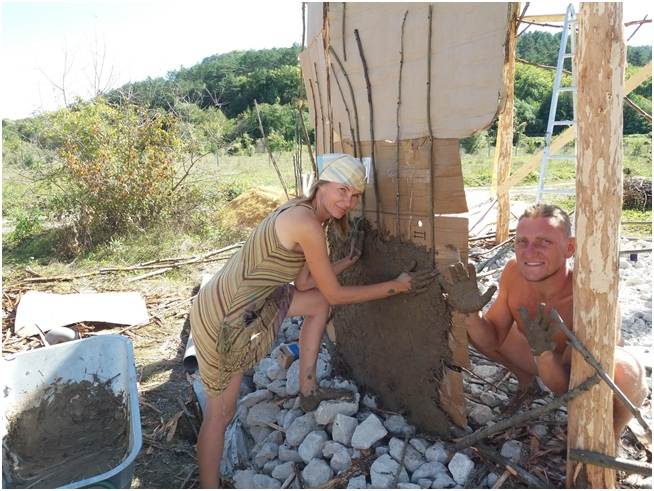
71,415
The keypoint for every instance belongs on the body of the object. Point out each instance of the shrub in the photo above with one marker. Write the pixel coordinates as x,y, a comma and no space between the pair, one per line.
117,169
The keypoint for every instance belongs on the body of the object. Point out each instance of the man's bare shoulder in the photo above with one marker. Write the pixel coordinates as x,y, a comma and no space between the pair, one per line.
510,273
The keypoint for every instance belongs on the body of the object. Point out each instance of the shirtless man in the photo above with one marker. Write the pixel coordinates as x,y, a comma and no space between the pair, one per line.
535,281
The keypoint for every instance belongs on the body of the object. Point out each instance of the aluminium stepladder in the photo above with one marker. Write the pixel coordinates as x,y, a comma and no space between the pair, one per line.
569,32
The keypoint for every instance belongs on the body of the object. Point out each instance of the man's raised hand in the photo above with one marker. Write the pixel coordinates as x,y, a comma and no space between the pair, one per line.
539,331
463,293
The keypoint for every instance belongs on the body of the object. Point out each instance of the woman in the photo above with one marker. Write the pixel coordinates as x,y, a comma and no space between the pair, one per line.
237,314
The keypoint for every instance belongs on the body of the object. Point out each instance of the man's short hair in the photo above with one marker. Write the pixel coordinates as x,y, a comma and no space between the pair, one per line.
541,210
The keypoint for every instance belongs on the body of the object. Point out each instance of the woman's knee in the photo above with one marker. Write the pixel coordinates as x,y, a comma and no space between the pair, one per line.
310,303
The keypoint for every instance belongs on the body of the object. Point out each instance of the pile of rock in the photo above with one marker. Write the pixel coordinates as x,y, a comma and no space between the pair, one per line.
290,446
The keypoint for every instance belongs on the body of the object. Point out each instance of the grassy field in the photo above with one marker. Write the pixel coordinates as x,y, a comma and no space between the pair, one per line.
28,236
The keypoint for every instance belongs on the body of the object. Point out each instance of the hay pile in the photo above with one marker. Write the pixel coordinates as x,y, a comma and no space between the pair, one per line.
249,208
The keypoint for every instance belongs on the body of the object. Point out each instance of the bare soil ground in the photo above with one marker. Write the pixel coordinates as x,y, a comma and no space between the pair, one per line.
170,416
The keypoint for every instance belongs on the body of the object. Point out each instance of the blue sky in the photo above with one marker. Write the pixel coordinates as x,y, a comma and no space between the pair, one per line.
148,39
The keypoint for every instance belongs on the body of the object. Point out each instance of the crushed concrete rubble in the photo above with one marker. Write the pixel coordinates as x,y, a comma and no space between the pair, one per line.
272,443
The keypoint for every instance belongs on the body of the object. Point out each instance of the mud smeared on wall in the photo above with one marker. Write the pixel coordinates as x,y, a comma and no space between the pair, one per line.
396,346
76,431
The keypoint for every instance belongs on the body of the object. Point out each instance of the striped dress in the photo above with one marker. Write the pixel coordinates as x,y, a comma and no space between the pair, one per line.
236,314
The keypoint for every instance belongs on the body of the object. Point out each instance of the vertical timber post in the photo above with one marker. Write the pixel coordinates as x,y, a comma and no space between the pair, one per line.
601,62
504,145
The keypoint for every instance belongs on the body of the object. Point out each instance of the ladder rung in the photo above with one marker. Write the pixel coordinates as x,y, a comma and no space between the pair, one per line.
562,157
572,121
567,89
558,191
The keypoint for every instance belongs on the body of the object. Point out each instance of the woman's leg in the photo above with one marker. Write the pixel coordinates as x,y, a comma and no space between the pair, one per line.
314,307
219,411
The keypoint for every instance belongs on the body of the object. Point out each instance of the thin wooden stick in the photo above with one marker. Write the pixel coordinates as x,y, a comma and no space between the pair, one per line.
431,141
144,266
270,154
372,125
576,344
601,460
396,477
347,111
397,138
526,416
505,475
354,101
194,467
306,138
151,273
343,32
315,114
322,110
513,468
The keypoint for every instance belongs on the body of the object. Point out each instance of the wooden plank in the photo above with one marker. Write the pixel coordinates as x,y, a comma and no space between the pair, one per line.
452,398
504,147
638,78
543,18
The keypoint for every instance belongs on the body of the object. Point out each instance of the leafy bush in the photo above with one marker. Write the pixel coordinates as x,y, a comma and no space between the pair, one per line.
117,169
27,224
473,143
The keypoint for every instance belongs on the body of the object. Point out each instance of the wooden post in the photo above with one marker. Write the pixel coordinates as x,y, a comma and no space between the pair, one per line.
601,66
504,145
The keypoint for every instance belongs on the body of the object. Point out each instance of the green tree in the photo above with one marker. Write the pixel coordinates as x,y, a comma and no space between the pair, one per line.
533,94
639,55
539,47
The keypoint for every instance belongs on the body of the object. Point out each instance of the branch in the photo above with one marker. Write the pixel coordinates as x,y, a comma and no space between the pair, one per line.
526,416
640,111
576,344
270,154
397,139
601,460
431,139
513,468
372,125
347,111
306,138
354,102
171,262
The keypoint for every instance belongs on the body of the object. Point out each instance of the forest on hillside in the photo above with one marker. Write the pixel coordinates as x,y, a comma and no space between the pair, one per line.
224,95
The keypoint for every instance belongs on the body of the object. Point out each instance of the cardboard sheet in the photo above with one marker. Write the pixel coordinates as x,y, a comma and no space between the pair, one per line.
454,83
49,310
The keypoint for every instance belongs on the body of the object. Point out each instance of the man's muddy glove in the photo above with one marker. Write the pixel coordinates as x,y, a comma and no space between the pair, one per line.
540,330
463,293
421,279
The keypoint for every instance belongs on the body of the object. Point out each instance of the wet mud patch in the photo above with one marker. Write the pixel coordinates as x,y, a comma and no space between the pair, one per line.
396,346
75,431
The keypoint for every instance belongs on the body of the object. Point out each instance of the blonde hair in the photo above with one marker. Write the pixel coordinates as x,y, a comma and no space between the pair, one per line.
542,210
341,225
